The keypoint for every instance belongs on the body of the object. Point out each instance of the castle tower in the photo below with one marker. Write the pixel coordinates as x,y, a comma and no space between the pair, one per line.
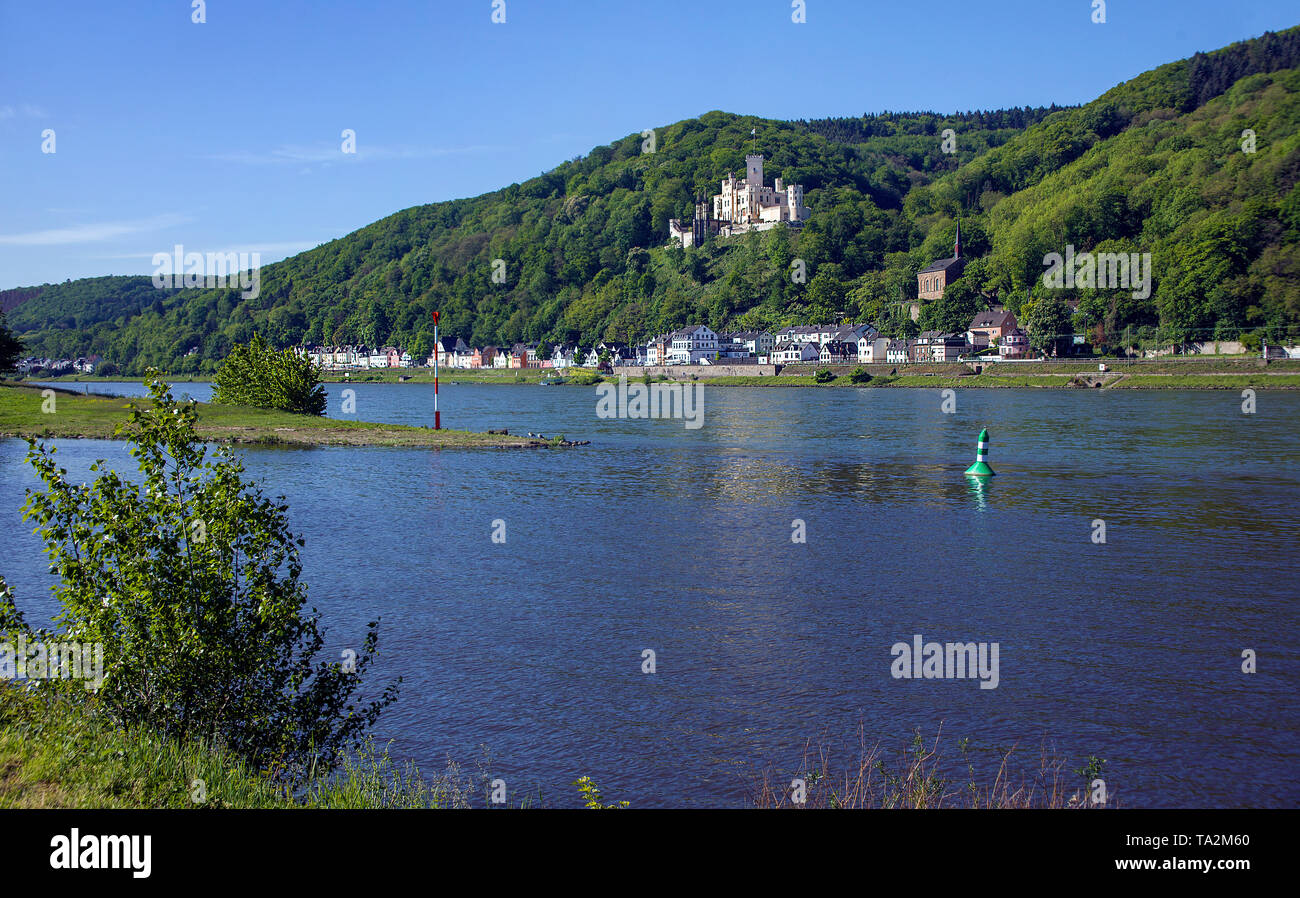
794,199
754,171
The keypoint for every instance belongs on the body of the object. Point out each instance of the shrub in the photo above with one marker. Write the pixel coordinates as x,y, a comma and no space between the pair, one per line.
859,375
254,374
591,797
824,376
586,378
190,581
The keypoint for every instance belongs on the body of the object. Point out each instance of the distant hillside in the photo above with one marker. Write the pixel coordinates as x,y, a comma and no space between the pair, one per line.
1154,165
80,304
11,299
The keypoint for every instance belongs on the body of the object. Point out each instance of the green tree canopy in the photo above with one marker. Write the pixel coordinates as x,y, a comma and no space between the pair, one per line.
256,375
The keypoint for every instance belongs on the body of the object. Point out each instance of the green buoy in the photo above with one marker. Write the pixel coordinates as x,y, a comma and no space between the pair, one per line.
981,467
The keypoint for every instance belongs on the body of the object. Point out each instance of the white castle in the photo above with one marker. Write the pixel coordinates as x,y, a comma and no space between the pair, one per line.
744,205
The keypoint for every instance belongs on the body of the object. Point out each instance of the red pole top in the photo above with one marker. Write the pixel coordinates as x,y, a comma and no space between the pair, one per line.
435,317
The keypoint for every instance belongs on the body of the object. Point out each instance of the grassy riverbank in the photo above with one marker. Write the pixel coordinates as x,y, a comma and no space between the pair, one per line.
77,415
376,375
56,755
1182,373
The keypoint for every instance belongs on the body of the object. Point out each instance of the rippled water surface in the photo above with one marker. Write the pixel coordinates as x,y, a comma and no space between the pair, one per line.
657,536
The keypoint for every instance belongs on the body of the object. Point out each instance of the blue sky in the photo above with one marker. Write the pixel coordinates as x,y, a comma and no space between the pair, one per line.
227,135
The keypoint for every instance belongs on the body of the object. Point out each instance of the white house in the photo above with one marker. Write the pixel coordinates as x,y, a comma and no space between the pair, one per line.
461,355
563,356
619,354
794,353
838,352
947,347
809,333
759,343
872,348
1014,344
731,348
691,344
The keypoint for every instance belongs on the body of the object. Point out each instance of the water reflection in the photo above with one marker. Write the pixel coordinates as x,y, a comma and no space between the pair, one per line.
655,536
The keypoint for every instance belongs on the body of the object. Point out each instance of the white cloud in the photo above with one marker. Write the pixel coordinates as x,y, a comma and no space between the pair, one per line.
92,233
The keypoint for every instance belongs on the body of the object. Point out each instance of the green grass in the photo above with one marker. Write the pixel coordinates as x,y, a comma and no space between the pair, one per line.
54,754
988,381
77,415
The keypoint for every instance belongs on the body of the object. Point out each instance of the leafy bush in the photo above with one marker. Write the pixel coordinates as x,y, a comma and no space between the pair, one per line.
586,378
592,799
859,375
254,374
189,580
824,376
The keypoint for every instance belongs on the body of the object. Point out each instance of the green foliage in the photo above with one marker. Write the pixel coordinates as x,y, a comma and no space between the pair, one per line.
190,581
261,377
58,753
859,375
1093,768
1154,165
585,378
10,347
824,375
591,796
1049,323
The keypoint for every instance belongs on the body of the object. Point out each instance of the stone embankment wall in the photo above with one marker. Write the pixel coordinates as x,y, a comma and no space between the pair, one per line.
684,372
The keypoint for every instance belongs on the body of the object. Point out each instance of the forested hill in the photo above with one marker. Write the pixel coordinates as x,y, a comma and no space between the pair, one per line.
1154,165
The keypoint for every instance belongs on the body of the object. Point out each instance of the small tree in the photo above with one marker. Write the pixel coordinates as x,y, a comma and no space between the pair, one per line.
189,580
859,375
1049,323
824,376
10,347
255,374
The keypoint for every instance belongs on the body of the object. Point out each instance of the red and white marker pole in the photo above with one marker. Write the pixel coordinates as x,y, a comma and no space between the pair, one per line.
437,417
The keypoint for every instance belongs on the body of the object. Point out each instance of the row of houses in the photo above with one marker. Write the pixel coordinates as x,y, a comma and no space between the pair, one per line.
700,345
841,344
81,365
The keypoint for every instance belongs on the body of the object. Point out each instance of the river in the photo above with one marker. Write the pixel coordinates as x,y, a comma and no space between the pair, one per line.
679,540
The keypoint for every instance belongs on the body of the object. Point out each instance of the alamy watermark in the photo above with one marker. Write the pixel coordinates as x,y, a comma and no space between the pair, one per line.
40,660
656,400
180,269
922,660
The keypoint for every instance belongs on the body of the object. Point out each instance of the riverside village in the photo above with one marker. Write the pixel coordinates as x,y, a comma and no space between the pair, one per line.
744,206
